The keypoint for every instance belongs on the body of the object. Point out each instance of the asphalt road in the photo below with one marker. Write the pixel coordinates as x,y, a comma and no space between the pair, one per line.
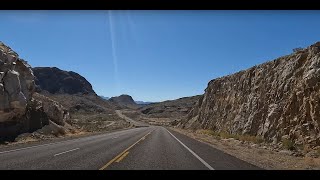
144,148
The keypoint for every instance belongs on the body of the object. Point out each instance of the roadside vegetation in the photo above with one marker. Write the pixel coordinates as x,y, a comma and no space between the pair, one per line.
288,144
226,135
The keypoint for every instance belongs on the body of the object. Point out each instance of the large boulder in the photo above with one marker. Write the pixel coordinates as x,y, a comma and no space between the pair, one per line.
54,110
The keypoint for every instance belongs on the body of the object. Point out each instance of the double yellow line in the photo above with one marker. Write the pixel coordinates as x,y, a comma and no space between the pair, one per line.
124,153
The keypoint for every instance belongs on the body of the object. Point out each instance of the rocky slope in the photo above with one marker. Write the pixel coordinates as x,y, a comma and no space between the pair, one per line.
88,111
277,100
70,89
57,81
166,113
171,108
20,111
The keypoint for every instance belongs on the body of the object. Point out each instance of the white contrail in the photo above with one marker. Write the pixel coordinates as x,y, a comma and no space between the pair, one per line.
114,55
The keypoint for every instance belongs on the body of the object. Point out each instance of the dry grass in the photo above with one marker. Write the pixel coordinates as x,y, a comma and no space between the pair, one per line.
312,162
225,135
208,132
254,139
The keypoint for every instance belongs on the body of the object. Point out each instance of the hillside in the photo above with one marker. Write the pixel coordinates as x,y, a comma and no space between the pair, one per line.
165,113
88,111
171,108
44,102
57,81
277,100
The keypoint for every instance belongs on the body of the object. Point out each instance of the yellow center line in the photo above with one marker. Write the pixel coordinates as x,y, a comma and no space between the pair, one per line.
123,156
122,153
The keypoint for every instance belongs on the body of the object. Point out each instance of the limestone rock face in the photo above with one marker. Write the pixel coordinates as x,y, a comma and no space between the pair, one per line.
21,110
276,99
16,84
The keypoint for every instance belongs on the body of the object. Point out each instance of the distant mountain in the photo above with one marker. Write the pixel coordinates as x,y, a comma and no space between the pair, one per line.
177,108
70,89
124,100
57,81
143,103
106,98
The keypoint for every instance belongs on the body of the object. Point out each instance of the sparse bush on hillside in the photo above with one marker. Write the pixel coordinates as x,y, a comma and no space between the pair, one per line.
254,139
288,144
209,132
297,49
226,135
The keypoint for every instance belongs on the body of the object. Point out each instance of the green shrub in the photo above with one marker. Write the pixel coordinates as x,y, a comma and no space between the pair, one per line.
288,144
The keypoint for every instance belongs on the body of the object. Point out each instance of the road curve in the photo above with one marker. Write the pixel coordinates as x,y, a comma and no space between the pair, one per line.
147,148
131,121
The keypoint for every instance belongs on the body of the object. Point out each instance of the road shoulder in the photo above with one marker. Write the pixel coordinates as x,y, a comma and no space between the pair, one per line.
259,156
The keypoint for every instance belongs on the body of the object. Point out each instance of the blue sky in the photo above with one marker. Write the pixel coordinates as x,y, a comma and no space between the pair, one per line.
155,55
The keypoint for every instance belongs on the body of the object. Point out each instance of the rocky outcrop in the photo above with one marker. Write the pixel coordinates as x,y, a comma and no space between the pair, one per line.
16,88
57,81
277,100
53,109
20,109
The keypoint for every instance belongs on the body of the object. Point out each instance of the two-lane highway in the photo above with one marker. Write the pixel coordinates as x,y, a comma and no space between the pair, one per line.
151,147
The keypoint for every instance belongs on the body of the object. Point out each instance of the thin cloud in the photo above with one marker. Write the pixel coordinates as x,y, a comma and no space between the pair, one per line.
25,16
113,46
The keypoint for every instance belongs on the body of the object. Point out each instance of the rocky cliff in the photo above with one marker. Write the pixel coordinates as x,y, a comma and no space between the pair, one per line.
19,111
57,81
16,88
277,100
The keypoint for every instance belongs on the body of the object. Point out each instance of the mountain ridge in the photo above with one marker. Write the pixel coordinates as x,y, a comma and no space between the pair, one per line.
57,81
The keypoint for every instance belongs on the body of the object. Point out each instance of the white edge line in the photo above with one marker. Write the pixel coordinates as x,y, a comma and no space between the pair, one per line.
31,147
193,153
66,152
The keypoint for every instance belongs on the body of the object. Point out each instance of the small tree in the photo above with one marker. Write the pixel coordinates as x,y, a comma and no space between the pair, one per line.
297,49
